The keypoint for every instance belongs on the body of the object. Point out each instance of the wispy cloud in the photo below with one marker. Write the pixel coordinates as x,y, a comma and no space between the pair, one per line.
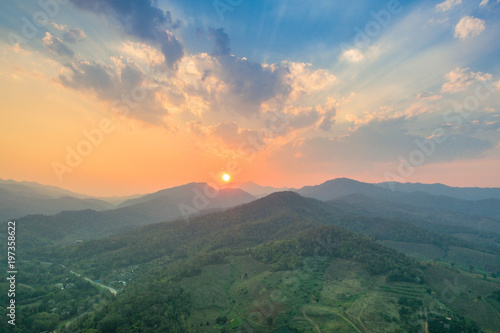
70,35
483,3
461,78
353,55
447,5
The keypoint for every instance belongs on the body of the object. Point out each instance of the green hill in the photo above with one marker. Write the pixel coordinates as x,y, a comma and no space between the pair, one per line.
278,263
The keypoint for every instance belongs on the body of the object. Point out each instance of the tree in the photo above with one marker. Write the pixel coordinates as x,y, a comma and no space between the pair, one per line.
221,320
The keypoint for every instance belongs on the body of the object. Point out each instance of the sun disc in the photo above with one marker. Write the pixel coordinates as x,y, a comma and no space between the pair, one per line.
226,177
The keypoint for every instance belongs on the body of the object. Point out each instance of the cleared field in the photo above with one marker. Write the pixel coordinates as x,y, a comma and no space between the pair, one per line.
335,296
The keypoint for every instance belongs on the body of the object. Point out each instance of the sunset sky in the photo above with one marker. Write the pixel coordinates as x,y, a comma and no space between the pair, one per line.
110,97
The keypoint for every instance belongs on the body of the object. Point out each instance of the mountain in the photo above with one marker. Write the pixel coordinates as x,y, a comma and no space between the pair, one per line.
336,188
339,187
257,190
180,202
279,263
18,200
465,193
33,189
430,218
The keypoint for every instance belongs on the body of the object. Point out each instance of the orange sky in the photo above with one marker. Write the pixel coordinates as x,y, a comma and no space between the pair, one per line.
159,119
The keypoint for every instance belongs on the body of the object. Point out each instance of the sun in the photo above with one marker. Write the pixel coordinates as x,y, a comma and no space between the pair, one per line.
226,177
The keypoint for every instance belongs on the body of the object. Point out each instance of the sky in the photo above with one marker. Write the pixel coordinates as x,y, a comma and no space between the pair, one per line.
116,97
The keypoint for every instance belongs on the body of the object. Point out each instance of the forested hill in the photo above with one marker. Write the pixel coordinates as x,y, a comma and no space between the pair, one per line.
209,273
278,217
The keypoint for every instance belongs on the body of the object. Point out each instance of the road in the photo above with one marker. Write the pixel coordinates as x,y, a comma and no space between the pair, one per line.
98,284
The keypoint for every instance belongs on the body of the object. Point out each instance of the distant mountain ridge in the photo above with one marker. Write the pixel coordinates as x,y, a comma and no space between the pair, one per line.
166,205
258,190
465,193
18,200
340,187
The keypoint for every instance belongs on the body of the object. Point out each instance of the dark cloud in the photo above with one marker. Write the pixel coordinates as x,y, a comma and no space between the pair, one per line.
249,85
125,90
328,120
141,19
57,46
91,76
221,41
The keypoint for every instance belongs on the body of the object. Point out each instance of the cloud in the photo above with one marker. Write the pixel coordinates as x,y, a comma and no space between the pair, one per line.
461,78
328,121
90,76
143,53
141,19
124,87
74,35
447,5
230,134
70,35
305,118
479,124
353,55
57,46
221,42
428,97
468,27
306,82
247,85
230,86
376,143
234,136
483,3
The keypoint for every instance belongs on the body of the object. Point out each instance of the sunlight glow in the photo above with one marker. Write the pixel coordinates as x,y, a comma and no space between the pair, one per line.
226,177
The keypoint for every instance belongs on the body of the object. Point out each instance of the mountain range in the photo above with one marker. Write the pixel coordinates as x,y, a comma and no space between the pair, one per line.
283,262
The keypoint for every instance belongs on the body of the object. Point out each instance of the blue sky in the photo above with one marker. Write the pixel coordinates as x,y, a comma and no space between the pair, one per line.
372,90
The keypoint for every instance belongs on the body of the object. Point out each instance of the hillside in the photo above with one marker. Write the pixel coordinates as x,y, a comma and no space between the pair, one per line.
485,229
277,262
